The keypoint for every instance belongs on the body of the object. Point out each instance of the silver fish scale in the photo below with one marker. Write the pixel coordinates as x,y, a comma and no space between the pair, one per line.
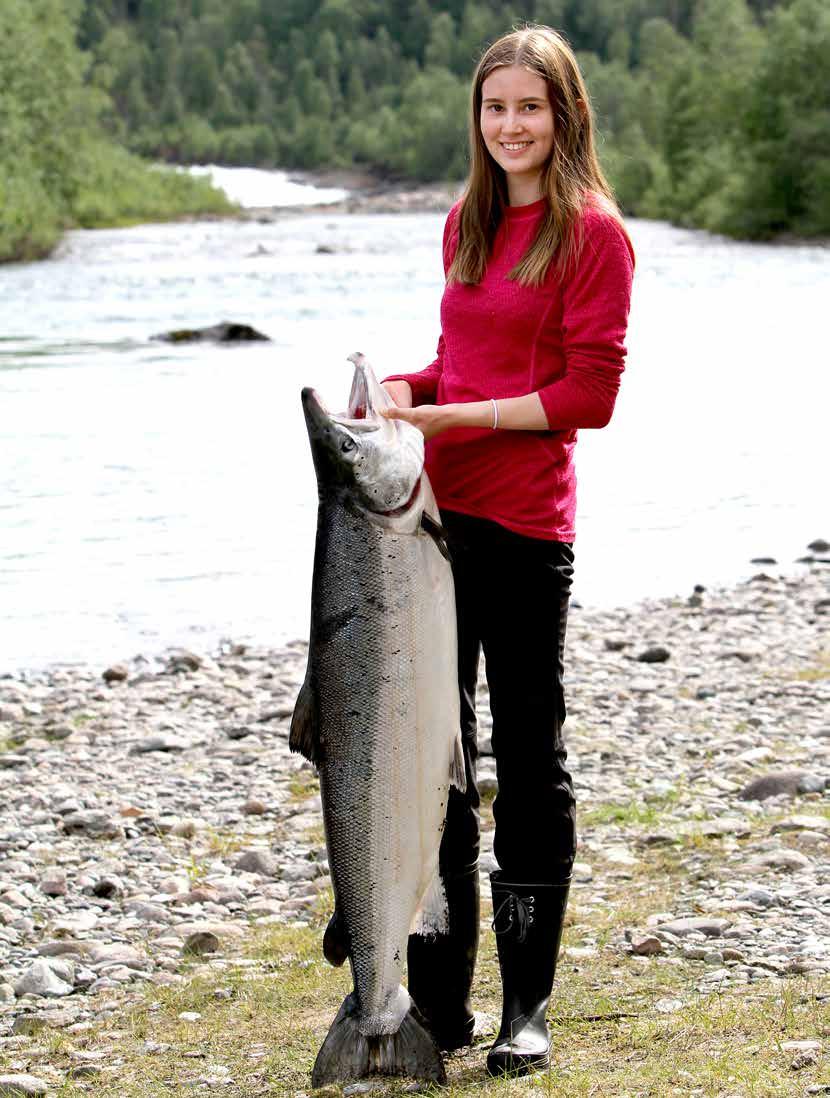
383,787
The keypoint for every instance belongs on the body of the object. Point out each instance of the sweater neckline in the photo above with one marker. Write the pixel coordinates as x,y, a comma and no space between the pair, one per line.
532,209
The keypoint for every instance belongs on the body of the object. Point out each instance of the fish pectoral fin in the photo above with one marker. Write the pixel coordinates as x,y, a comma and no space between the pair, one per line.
436,531
336,940
304,737
458,771
432,916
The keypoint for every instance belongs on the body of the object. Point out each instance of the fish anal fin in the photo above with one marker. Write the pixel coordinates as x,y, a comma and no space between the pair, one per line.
432,916
304,738
458,771
347,1054
335,940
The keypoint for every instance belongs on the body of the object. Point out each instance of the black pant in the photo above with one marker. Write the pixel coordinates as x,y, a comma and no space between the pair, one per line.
512,597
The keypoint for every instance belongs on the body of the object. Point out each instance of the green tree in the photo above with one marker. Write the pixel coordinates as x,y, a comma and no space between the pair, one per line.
200,79
327,64
710,112
57,165
786,131
418,27
240,75
440,49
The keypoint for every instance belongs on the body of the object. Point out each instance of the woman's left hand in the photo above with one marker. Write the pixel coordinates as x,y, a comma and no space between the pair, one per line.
430,419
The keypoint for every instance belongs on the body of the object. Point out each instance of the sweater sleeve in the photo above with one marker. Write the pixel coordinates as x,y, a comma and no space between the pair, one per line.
595,303
424,383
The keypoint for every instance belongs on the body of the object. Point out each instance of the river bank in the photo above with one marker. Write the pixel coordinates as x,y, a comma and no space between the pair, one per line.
154,827
368,194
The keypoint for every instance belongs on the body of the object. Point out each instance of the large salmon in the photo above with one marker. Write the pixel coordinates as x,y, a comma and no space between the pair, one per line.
378,714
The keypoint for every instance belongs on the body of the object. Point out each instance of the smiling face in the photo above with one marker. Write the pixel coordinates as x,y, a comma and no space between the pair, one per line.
517,128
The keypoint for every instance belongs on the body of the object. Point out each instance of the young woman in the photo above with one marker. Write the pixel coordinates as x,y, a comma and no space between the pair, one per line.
533,318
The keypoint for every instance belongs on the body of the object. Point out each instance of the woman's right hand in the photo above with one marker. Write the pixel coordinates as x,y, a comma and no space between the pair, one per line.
400,392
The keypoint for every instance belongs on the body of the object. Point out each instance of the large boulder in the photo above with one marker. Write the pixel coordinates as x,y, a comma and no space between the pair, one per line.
782,782
225,332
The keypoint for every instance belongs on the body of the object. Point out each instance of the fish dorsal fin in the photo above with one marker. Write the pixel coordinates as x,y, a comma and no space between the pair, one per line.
304,737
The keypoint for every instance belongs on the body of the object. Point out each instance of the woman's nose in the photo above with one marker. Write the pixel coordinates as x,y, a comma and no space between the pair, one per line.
511,121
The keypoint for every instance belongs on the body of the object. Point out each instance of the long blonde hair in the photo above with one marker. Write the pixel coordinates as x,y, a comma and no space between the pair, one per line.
571,178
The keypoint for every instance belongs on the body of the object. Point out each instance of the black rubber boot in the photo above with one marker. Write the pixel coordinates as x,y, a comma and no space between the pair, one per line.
441,966
527,919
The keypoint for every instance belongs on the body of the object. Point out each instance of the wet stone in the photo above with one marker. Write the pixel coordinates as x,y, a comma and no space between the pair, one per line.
201,942
98,825
151,851
158,743
258,861
787,860
53,883
45,979
646,946
22,1086
658,653
254,807
118,672
680,928
784,782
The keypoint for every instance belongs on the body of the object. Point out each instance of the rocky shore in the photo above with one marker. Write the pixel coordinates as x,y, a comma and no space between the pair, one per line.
368,196
151,812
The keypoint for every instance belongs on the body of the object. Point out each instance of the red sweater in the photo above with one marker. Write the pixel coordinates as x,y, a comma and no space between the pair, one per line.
563,340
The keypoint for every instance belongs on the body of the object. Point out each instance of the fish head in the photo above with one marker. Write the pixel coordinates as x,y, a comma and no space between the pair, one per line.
373,461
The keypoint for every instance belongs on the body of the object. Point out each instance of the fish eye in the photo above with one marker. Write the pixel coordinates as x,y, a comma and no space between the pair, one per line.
347,445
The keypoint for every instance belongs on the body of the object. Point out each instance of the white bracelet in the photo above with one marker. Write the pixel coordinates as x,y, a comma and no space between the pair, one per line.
495,413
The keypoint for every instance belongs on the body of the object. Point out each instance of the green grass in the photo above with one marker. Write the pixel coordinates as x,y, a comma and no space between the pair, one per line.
303,785
819,671
611,1038
629,813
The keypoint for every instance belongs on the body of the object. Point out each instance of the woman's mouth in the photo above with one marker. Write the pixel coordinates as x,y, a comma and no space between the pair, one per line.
515,146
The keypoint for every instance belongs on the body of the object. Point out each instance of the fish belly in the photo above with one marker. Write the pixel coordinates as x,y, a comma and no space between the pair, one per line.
387,697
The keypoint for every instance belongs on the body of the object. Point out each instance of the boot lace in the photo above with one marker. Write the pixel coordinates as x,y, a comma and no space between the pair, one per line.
515,914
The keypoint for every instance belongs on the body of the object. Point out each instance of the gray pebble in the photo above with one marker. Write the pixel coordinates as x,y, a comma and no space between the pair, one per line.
43,980
22,1086
258,861
782,782
682,927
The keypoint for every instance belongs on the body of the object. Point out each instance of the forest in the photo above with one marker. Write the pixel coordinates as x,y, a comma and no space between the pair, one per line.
60,165
711,113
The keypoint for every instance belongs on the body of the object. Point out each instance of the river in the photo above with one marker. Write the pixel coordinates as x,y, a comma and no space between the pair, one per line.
153,494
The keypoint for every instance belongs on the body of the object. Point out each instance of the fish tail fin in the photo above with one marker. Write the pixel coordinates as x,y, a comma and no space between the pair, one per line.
349,1054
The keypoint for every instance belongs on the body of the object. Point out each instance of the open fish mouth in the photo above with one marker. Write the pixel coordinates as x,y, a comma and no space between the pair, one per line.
361,414
365,398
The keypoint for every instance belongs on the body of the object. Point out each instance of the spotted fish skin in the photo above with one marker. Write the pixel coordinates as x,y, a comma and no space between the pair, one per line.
379,716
